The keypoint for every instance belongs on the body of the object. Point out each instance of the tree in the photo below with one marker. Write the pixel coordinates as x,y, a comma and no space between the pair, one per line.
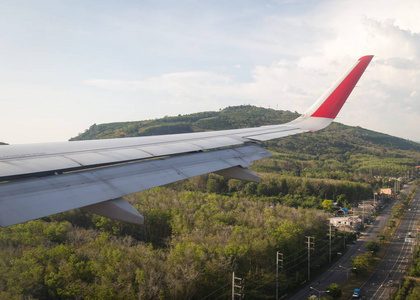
327,204
361,263
390,223
372,246
334,290
341,200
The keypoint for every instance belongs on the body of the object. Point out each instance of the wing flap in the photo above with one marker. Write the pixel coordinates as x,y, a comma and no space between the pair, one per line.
35,165
104,157
41,162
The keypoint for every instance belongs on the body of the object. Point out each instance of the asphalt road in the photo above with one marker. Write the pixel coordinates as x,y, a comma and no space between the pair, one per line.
386,277
337,274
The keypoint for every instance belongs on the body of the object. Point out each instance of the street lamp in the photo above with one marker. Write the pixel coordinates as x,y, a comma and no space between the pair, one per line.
319,292
347,270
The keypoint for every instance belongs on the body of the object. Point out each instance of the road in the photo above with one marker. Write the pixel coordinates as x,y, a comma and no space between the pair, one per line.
387,275
337,274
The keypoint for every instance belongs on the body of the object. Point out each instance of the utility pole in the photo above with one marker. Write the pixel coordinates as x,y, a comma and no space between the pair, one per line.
363,217
329,253
311,246
279,265
237,283
345,230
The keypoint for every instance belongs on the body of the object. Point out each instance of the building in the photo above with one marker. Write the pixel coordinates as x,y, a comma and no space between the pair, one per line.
347,223
364,208
386,191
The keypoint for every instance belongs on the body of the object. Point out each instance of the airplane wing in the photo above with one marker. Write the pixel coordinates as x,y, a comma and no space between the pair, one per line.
37,180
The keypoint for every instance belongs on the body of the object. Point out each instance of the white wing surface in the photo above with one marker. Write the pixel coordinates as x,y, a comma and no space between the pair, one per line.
98,173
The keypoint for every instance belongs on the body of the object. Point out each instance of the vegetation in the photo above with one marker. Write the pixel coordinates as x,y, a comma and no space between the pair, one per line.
188,249
361,263
372,246
228,118
334,290
198,231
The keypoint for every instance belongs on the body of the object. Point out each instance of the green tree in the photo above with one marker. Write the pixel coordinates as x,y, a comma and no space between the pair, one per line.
361,263
341,200
334,290
372,246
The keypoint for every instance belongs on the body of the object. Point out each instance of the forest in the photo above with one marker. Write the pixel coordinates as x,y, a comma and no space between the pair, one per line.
198,231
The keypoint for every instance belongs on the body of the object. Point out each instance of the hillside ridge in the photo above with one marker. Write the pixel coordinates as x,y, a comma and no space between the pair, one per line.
240,117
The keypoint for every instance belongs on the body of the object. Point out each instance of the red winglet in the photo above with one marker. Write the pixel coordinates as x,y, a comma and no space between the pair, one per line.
334,102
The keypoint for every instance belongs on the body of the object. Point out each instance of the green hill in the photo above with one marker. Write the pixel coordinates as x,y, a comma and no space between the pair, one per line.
339,149
228,118
246,116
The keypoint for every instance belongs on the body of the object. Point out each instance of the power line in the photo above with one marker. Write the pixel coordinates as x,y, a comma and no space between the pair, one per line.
216,291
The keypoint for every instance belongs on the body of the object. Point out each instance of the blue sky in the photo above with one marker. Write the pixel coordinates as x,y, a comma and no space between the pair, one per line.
68,64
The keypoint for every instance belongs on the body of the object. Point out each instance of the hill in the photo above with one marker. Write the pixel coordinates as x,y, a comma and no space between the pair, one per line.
228,118
240,117
358,150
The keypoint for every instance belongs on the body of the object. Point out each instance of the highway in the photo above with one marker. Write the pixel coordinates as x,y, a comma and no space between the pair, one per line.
339,270
386,277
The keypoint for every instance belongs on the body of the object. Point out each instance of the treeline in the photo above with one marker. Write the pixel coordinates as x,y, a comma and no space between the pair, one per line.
228,118
188,249
349,166
285,190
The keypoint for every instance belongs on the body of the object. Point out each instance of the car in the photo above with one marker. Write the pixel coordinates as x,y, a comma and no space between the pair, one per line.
356,293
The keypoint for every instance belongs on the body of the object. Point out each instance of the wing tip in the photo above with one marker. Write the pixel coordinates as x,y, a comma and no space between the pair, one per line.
337,96
366,57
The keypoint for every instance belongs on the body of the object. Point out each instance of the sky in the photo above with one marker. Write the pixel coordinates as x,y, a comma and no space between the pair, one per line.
65,65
